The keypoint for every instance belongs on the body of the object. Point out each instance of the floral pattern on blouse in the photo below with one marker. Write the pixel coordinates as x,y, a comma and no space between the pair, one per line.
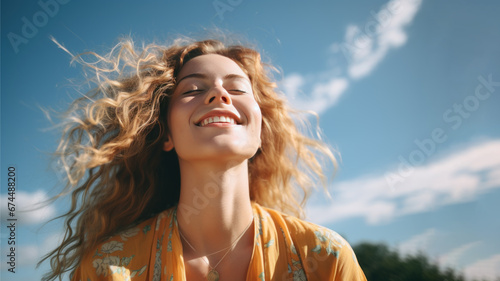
285,248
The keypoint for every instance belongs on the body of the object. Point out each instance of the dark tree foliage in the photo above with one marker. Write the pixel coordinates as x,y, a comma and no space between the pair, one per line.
380,263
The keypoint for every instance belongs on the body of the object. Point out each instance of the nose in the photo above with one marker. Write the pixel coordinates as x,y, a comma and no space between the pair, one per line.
218,94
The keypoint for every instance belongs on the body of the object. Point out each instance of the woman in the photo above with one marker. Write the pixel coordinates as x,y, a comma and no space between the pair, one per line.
181,166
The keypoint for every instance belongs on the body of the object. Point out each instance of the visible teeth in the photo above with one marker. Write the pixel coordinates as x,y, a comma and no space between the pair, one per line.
217,119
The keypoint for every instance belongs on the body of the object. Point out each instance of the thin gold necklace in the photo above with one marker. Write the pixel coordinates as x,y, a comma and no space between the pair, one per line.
213,274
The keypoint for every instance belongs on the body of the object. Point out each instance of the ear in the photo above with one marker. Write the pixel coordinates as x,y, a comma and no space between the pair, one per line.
168,144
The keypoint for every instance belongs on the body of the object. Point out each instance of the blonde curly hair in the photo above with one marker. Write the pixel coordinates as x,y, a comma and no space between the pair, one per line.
111,147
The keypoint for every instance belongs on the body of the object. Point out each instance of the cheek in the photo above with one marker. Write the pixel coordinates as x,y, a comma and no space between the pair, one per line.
257,117
177,119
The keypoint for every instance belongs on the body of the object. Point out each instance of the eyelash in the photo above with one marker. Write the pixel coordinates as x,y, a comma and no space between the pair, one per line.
239,91
198,90
191,91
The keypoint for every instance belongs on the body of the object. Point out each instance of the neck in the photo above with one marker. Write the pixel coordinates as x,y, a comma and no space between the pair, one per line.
214,206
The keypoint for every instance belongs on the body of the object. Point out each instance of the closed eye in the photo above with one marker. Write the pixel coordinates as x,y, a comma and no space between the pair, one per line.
192,91
238,91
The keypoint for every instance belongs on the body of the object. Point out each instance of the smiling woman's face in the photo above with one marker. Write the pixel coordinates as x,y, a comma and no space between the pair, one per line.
213,114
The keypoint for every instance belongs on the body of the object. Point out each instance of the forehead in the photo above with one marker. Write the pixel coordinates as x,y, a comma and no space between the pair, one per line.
211,65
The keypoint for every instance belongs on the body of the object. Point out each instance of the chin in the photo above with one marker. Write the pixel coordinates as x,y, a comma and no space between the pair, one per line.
230,153
223,153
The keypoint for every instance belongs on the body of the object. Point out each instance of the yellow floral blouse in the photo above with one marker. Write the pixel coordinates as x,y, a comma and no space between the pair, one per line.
285,248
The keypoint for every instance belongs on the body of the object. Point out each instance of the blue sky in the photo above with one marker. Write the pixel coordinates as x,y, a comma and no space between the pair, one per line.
407,91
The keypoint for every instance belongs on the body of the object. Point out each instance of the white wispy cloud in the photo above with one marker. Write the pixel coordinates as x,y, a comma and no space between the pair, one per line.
30,252
461,176
458,258
29,207
488,268
368,45
418,243
322,95
453,257
364,47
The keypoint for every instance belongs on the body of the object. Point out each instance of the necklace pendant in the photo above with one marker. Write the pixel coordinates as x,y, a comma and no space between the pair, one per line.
213,275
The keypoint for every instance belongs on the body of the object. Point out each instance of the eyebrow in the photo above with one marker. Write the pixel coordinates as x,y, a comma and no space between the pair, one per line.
204,76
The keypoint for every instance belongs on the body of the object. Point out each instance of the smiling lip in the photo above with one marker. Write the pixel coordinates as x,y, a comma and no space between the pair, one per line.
218,118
